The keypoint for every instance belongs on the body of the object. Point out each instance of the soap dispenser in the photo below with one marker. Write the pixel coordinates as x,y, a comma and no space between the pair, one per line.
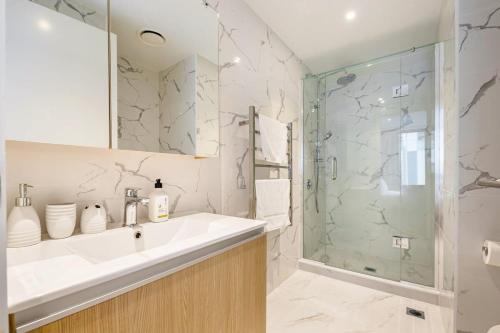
23,224
158,203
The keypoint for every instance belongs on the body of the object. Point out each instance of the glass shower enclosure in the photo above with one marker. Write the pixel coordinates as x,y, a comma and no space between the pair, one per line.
371,153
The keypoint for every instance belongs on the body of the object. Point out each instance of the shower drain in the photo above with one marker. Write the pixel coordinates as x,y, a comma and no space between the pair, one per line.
370,269
415,313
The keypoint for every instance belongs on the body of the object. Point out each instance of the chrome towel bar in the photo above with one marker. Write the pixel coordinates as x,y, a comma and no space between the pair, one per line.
252,114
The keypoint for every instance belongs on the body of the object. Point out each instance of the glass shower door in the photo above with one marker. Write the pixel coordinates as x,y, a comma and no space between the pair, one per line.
370,161
361,146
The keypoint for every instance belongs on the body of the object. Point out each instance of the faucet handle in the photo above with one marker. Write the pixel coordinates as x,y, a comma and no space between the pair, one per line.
131,192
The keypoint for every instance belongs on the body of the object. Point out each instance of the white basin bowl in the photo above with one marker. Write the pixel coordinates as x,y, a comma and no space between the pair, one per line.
122,241
57,268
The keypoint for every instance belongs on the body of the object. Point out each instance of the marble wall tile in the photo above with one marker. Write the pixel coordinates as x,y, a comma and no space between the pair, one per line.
86,175
478,288
138,106
257,68
92,13
178,107
207,108
171,111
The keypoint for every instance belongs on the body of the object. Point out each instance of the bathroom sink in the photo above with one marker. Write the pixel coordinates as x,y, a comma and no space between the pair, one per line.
121,242
57,268
106,246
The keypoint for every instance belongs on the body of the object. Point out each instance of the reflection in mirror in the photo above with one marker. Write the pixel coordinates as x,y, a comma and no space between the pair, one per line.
167,77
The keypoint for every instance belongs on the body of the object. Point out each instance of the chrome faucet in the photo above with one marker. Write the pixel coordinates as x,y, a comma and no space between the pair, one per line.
131,201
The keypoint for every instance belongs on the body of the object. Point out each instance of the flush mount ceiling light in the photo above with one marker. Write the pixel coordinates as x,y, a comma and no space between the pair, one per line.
44,25
350,15
151,37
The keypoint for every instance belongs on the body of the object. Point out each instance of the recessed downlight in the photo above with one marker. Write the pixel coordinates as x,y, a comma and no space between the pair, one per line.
350,15
151,37
44,25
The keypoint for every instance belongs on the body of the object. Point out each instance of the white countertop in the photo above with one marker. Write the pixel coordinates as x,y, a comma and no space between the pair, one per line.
57,268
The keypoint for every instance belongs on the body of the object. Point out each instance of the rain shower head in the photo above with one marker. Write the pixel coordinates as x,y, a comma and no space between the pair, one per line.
345,80
327,135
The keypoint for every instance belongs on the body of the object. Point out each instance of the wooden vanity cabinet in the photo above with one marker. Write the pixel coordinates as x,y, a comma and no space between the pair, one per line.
223,294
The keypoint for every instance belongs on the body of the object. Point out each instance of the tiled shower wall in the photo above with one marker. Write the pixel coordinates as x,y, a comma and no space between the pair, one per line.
361,125
267,75
314,188
478,289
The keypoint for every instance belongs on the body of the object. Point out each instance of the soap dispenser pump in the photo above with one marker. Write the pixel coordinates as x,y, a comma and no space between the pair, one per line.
158,203
23,224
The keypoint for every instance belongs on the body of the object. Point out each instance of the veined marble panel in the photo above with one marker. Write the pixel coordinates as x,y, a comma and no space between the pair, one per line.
86,175
207,108
80,10
138,106
178,108
257,68
478,289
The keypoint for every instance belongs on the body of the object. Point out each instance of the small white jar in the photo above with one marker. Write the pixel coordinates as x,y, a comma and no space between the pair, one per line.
60,220
93,219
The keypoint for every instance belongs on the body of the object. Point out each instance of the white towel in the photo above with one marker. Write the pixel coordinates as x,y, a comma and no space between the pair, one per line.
273,140
273,202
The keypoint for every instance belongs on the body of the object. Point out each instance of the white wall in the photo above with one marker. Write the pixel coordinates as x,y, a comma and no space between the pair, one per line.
3,264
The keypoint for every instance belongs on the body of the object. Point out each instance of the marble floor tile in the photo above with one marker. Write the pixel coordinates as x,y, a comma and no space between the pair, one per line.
308,302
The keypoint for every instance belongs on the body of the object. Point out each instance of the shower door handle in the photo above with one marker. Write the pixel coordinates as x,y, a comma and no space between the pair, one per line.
334,168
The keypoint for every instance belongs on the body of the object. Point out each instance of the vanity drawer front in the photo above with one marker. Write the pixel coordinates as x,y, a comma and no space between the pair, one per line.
223,294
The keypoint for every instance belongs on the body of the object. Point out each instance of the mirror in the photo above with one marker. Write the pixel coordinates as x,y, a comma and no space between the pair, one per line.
57,72
150,83
166,82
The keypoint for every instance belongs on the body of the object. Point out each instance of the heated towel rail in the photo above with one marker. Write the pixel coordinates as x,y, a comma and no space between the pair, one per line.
254,163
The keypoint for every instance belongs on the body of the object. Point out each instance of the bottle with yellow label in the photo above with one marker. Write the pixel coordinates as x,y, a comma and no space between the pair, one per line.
158,203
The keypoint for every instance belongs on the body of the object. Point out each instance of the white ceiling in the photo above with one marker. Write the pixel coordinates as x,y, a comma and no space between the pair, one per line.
187,25
317,31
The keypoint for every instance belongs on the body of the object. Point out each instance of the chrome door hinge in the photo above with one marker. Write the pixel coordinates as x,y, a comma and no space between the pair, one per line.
401,242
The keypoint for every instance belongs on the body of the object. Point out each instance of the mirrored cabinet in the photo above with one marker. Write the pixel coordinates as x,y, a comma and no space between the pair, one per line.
56,85
147,80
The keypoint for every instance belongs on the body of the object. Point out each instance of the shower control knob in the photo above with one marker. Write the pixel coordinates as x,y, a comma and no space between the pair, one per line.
308,184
